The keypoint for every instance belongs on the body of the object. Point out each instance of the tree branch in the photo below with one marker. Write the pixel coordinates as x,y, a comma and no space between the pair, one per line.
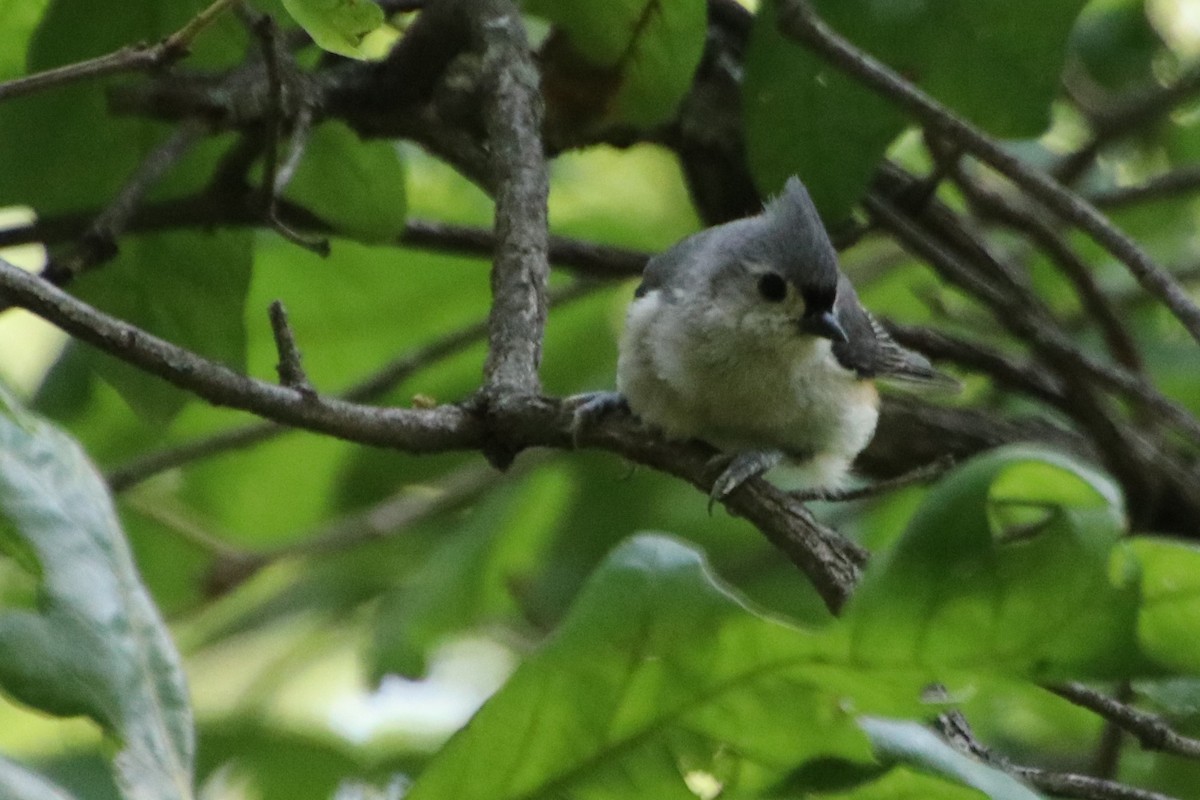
798,20
513,119
1151,731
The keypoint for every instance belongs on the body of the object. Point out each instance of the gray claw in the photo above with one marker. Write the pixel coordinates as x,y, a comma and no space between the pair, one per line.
593,406
741,468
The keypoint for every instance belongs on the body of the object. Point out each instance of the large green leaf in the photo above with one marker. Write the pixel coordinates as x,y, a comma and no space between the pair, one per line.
1007,567
996,62
656,675
643,52
95,645
910,743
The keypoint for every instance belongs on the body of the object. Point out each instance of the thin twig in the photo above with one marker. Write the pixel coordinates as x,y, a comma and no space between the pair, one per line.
1117,337
922,474
274,179
1000,367
215,209
99,241
957,731
136,58
393,515
290,366
383,520
798,20
1125,116
1136,459
1151,731
1184,180
1018,314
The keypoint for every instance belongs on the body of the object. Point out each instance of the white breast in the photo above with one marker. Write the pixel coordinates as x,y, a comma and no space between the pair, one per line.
706,379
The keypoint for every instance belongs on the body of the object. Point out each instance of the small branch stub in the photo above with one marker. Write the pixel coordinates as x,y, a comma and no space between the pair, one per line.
290,368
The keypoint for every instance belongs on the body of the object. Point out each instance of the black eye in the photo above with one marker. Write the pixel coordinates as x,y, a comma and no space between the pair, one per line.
772,287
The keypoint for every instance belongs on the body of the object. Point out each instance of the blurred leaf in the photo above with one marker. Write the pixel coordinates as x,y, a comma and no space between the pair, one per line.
1116,44
356,186
901,783
911,743
289,765
656,672
18,783
472,577
978,580
1170,612
20,17
96,646
188,288
803,117
338,26
639,55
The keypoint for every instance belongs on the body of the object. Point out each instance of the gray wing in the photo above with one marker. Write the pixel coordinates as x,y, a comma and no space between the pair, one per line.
871,352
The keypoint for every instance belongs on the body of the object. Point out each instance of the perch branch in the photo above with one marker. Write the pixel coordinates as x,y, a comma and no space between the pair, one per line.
830,561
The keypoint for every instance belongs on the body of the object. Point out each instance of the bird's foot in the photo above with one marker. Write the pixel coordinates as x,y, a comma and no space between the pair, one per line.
592,406
740,468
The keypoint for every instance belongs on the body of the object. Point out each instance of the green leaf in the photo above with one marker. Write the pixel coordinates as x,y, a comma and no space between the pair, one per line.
657,673
285,764
338,26
911,743
903,783
189,288
356,186
642,52
980,578
996,62
1169,616
18,783
96,645
75,155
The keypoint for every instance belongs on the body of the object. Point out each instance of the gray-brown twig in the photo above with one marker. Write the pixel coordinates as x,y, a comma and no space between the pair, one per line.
136,58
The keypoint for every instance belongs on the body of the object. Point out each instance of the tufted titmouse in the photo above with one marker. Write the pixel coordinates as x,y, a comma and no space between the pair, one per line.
749,337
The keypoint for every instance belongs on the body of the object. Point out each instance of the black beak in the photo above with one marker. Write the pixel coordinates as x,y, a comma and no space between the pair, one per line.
825,325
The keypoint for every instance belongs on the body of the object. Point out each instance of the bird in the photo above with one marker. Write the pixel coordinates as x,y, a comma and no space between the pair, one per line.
748,336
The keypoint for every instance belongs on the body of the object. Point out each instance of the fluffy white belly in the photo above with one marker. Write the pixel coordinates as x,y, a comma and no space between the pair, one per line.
743,393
